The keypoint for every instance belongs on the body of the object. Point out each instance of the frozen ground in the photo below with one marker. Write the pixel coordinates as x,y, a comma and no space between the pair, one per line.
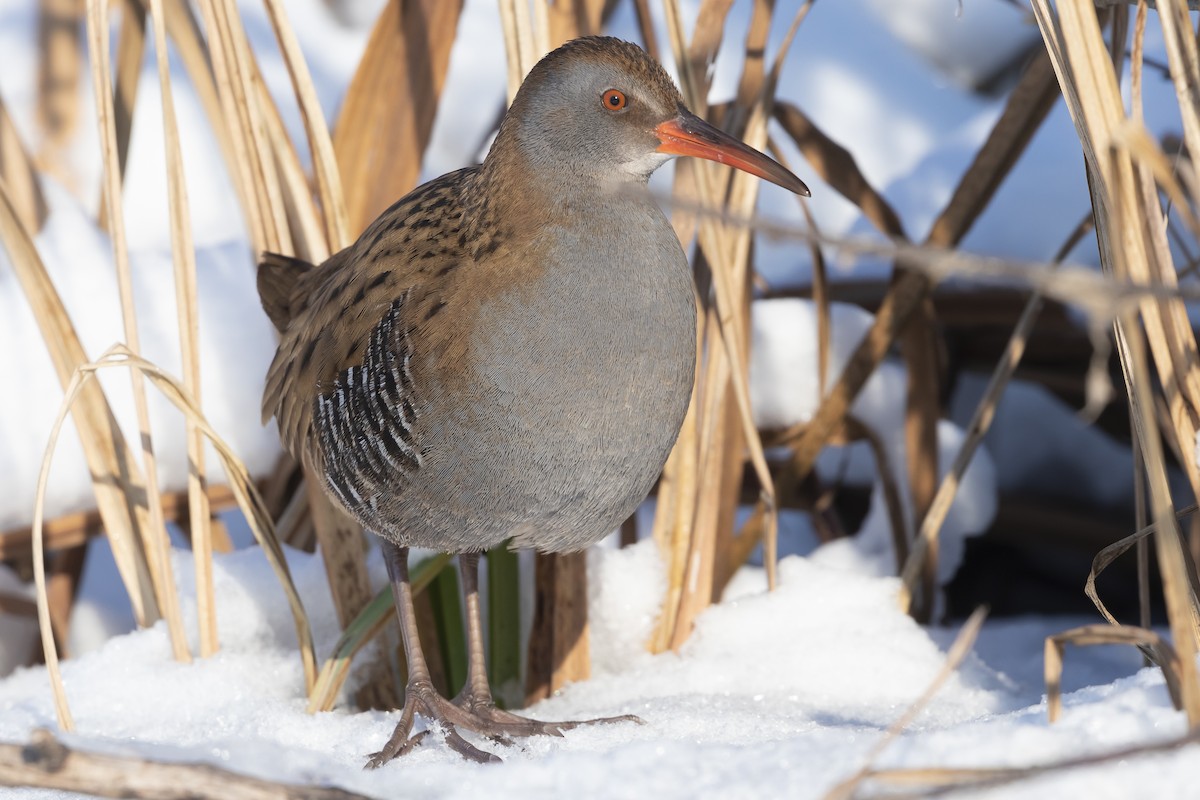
775,695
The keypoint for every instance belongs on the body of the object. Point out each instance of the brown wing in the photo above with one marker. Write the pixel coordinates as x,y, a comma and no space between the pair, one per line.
339,307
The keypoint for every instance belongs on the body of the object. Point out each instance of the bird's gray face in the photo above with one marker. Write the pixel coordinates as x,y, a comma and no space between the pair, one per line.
597,119
616,120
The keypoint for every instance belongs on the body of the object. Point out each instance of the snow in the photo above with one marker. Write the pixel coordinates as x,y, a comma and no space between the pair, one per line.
779,694
774,695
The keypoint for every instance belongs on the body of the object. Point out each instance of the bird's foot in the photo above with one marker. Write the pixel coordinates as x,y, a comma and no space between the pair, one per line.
421,698
495,723
473,712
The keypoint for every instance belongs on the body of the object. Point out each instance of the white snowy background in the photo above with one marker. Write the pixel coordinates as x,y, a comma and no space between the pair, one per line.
775,695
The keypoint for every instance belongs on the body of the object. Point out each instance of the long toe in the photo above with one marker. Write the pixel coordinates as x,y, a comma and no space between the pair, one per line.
442,715
483,717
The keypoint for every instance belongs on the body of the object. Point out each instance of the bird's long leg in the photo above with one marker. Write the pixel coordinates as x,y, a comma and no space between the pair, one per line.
419,694
476,696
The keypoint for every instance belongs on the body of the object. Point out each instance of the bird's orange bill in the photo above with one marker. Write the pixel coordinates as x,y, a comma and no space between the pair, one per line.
688,135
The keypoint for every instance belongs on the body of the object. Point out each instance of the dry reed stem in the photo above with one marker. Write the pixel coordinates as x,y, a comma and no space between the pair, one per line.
240,481
18,173
183,256
46,763
308,238
1128,244
58,82
116,480
938,782
1146,640
252,87
958,651
646,27
723,253
977,429
569,20
1026,107
837,167
981,422
329,181
157,541
190,47
69,531
281,206
725,366
233,118
230,54
131,51
720,441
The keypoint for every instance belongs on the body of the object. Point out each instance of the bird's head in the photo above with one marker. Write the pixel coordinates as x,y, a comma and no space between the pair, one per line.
602,110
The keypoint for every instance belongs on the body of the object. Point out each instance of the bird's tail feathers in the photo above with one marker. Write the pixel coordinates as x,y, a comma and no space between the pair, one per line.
278,276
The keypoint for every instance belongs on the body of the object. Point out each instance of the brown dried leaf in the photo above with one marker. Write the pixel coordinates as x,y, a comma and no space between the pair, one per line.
388,113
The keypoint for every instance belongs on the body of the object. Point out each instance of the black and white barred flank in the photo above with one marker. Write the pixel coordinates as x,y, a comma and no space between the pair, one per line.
365,423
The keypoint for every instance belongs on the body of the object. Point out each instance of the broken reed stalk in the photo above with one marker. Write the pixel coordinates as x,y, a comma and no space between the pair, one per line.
183,256
1146,640
1131,248
249,501
157,540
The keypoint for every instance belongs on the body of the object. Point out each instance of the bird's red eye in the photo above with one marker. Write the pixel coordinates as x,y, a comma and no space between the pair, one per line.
614,100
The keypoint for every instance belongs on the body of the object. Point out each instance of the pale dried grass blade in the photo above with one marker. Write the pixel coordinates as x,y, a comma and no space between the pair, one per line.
240,482
116,479
958,651
244,489
235,84
1115,550
20,176
646,27
1023,113
202,65
727,252
156,542
183,255
673,517
1164,656
329,181
574,18
512,46
387,116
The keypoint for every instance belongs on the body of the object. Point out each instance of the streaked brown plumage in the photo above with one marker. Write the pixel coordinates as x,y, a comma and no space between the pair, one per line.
508,351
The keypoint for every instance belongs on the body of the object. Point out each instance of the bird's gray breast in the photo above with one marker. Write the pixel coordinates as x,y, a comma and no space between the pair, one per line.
584,377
